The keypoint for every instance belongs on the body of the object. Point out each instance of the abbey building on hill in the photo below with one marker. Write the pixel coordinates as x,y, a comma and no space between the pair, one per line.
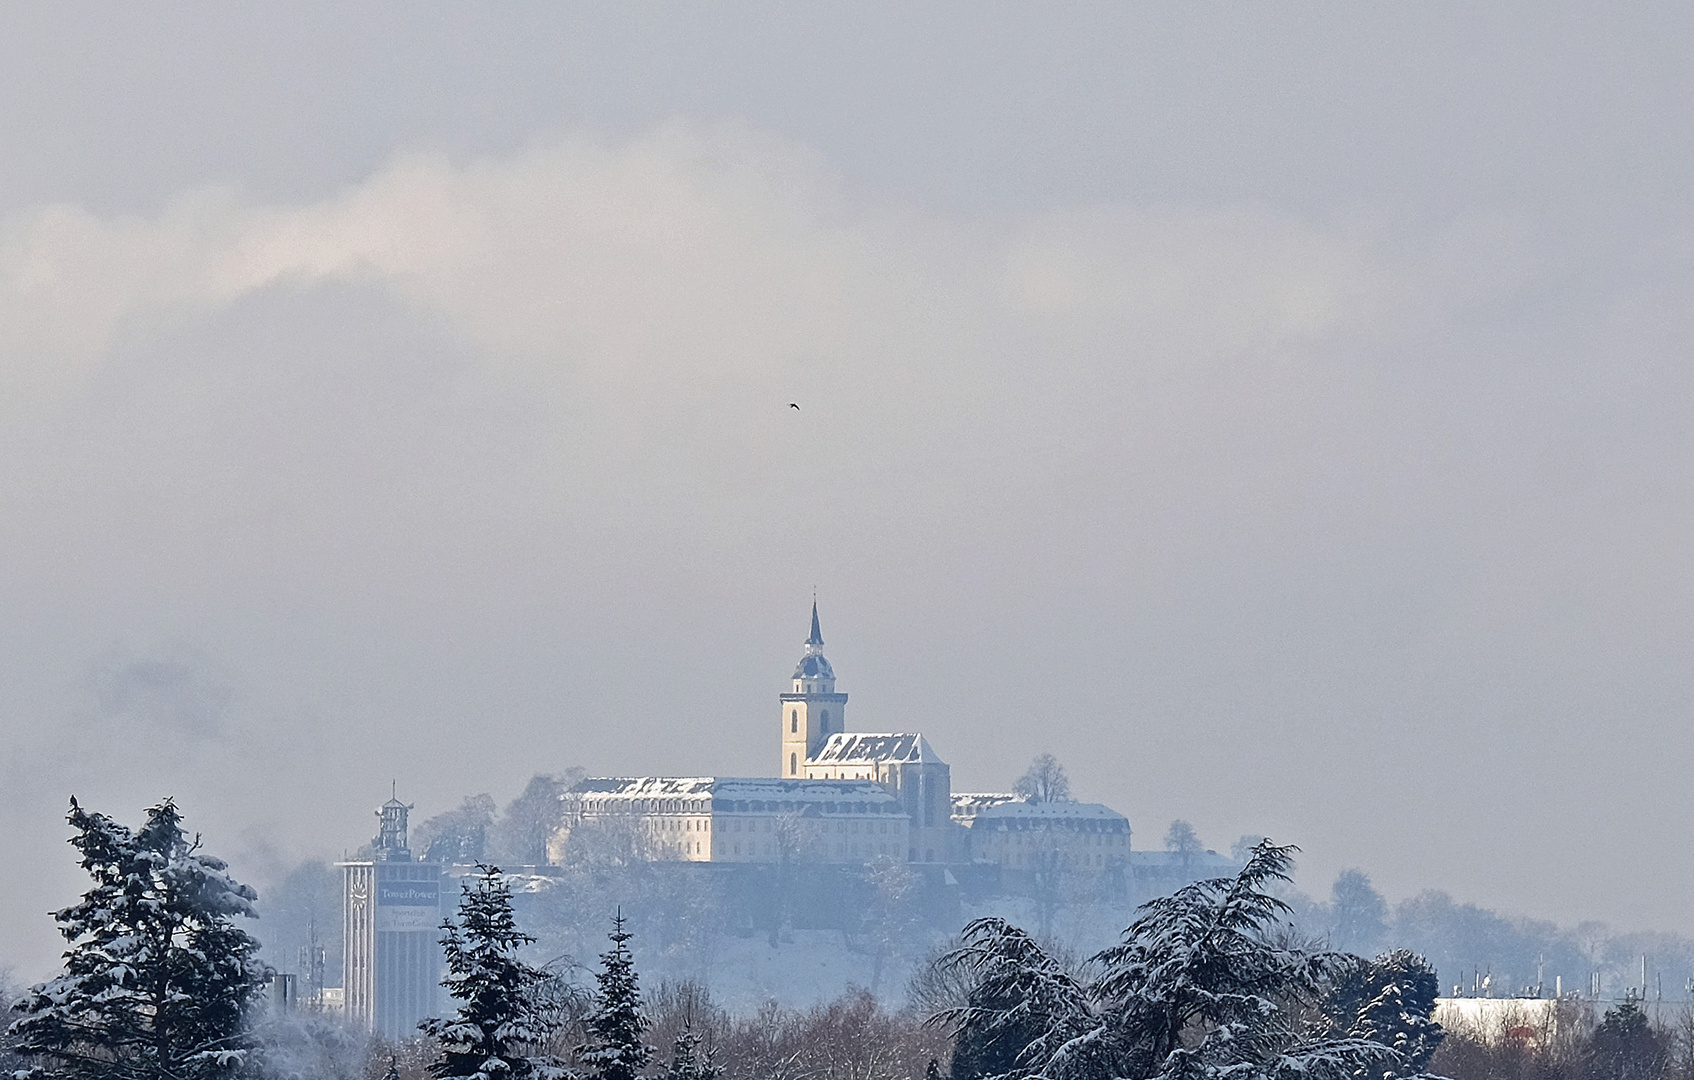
791,849
841,797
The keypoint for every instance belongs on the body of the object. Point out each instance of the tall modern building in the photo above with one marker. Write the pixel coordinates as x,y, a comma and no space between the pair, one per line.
391,961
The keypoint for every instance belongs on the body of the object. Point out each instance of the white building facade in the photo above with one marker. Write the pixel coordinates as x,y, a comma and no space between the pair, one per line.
734,820
839,797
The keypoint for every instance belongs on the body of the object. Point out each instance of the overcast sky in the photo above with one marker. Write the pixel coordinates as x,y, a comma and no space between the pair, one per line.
1283,414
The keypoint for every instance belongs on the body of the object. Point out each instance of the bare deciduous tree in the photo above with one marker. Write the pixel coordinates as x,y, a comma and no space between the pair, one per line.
1044,781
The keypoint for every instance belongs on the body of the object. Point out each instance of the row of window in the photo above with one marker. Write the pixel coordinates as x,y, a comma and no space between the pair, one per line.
1098,862
684,825
650,806
842,851
1118,828
1085,839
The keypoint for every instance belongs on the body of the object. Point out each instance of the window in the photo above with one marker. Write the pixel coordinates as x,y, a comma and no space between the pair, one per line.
823,719
793,720
793,764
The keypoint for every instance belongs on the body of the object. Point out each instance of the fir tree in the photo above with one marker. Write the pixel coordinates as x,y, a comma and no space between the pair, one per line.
158,981
1625,1046
616,1026
685,1060
499,1018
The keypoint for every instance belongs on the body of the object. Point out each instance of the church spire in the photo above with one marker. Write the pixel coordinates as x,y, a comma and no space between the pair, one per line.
816,640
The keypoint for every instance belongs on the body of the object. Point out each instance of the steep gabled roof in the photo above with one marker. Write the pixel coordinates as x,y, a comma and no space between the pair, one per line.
870,748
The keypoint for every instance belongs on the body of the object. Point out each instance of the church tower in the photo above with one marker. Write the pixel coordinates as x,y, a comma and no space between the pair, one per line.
811,709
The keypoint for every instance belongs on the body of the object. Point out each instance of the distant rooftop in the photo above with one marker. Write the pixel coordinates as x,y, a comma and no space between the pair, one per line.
1020,808
700,789
974,802
1001,810
864,748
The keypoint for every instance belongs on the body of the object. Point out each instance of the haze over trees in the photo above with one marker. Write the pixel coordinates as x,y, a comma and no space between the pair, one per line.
1199,986
686,923
1222,979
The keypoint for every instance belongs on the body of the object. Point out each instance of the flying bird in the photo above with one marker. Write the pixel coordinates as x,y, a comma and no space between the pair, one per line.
794,406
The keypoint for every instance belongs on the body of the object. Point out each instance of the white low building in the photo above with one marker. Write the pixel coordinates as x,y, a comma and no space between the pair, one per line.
1025,837
735,819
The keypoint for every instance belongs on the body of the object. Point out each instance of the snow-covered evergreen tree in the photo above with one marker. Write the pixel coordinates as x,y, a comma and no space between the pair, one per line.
1198,987
500,1020
1389,1000
158,981
1021,998
685,1060
617,1024
1625,1046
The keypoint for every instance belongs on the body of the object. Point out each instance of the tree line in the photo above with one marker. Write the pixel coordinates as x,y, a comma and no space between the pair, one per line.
1212,981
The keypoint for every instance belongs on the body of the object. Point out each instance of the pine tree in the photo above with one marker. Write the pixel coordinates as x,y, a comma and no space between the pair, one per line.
1625,1046
685,1060
617,1023
499,1016
158,981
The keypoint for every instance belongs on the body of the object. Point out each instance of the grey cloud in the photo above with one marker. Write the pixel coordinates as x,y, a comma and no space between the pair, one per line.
176,693
1281,417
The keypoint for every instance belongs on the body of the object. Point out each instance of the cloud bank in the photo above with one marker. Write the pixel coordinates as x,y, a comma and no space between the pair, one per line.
483,466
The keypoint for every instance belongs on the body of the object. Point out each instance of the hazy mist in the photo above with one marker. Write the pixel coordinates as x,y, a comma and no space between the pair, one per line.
1281,415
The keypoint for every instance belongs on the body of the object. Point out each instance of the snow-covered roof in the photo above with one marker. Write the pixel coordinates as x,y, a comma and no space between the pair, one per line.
728,794
967,804
1022,814
518,882
865,748
645,786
